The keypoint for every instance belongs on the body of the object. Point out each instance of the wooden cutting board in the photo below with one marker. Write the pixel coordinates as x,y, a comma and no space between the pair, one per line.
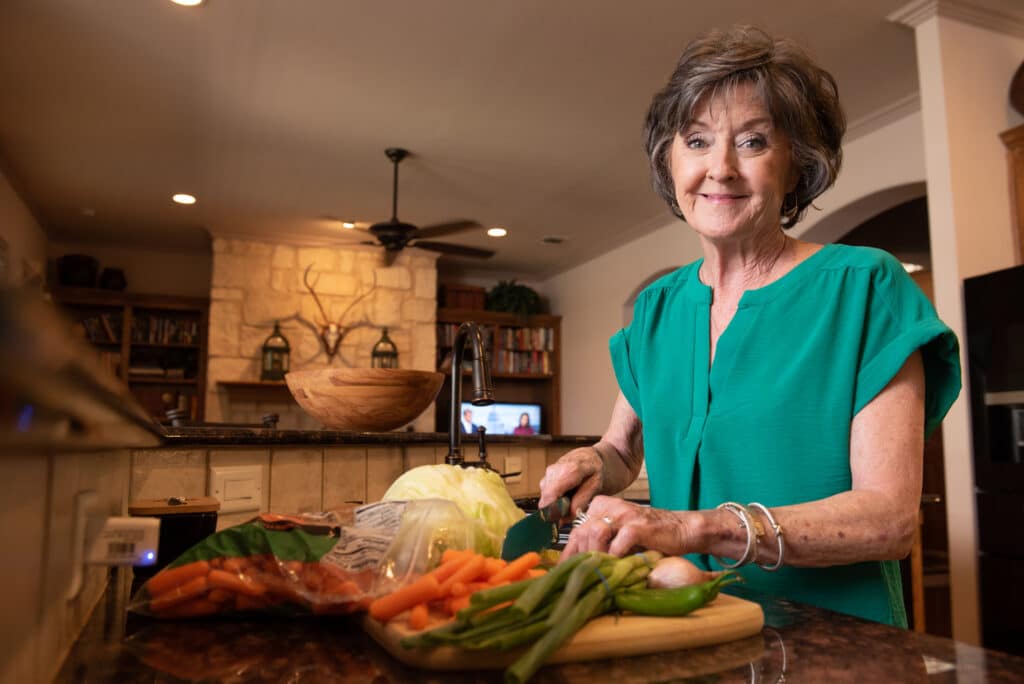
725,619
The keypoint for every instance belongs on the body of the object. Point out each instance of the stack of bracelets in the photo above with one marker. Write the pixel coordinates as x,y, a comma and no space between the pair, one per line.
754,533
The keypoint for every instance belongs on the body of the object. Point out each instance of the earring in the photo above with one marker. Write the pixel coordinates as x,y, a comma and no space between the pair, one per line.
790,213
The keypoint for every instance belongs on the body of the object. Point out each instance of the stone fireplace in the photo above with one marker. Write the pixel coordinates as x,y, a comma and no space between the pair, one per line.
256,283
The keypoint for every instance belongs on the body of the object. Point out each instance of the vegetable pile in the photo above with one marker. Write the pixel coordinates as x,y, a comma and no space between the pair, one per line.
544,612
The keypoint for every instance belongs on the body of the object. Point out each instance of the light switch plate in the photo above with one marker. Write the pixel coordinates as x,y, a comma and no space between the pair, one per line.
238,488
514,464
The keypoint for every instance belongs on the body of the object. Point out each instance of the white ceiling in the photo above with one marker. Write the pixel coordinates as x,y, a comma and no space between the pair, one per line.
275,113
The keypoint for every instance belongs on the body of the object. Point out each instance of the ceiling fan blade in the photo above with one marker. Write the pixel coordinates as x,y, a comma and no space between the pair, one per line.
390,255
449,228
454,250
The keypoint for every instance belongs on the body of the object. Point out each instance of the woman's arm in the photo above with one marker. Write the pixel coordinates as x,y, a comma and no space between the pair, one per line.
875,520
607,467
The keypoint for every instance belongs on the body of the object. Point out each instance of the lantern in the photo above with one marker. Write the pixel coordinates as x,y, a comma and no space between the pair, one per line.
276,351
385,353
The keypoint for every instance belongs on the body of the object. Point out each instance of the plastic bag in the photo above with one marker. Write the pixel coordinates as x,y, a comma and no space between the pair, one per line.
294,565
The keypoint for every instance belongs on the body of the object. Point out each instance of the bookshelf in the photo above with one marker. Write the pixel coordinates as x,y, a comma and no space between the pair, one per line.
156,344
525,360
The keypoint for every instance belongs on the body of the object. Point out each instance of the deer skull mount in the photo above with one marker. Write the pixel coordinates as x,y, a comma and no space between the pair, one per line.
331,333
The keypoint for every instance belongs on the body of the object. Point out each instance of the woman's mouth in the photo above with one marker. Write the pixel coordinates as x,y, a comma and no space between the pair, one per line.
717,198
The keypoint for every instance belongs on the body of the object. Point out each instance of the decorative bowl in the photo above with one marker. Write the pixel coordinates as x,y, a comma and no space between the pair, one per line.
364,399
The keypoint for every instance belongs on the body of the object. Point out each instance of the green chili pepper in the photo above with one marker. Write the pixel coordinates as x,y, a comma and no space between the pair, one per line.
672,602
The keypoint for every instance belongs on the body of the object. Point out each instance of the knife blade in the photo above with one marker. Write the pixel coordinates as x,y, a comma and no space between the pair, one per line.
537,531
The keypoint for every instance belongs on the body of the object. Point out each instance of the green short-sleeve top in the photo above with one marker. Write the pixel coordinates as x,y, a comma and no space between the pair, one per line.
770,420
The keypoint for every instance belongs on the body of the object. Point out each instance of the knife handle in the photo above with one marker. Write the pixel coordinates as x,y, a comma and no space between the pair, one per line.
559,509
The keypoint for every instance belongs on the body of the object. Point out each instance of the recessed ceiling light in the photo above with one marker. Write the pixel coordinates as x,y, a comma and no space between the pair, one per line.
182,198
912,268
187,3
348,225
497,232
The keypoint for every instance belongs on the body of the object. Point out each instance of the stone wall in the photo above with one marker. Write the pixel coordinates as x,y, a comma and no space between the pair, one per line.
256,283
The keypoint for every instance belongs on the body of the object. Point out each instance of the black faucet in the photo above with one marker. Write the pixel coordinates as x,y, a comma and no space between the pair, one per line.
483,389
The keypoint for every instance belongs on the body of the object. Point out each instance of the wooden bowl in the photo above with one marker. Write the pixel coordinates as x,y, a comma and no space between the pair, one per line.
364,399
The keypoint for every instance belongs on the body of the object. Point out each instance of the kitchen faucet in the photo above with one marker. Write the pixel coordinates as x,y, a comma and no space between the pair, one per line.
483,389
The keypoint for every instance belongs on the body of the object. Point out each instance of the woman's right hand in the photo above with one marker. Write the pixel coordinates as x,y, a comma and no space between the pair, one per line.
581,469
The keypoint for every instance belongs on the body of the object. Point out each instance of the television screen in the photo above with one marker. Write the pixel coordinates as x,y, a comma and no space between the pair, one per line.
502,419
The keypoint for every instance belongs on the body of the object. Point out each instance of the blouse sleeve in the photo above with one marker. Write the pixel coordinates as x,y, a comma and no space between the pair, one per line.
624,346
900,320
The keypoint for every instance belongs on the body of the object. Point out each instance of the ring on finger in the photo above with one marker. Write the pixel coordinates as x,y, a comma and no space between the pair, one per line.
581,518
607,521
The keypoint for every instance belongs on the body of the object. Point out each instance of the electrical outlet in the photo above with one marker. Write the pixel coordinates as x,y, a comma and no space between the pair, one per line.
239,488
514,464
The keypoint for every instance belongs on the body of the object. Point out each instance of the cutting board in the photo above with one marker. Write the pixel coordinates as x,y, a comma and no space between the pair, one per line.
725,619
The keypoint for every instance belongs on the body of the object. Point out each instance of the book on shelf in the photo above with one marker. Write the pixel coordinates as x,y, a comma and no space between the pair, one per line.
146,371
151,329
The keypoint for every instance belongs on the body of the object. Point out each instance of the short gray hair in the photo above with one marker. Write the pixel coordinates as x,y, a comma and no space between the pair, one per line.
801,97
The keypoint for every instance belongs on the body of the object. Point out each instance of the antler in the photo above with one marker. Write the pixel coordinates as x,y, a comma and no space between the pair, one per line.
305,280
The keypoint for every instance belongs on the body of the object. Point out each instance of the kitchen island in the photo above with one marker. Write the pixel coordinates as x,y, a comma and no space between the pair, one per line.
799,643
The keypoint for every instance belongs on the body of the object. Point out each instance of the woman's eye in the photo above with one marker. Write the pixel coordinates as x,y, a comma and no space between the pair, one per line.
755,142
695,142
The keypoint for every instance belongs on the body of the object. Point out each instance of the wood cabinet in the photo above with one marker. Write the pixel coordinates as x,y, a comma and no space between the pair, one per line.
156,344
1014,141
525,357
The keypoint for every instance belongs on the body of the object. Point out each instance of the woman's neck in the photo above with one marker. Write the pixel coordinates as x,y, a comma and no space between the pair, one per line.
739,266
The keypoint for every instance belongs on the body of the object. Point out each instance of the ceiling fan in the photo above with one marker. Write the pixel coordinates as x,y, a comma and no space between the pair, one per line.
394,235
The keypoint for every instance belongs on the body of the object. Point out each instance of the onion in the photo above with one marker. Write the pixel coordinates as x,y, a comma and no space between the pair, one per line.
675,571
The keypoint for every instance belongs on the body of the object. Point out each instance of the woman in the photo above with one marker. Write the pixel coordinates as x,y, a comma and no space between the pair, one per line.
797,377
524,427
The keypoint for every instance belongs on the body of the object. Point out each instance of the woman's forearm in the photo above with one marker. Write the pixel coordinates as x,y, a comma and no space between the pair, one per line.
621,448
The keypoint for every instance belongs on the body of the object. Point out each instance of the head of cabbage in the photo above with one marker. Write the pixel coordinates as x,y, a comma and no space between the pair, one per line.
480,494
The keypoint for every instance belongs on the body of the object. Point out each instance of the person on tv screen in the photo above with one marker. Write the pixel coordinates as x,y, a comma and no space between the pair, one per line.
801,378
468,426
524,427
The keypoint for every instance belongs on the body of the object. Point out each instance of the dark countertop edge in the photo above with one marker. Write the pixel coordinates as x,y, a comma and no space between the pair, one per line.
228,436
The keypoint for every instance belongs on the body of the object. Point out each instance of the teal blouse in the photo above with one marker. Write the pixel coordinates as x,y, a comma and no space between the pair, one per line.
770,420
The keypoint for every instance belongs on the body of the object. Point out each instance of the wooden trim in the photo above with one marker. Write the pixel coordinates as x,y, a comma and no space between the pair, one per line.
1013,139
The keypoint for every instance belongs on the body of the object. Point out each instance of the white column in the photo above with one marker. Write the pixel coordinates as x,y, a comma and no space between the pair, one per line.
966,58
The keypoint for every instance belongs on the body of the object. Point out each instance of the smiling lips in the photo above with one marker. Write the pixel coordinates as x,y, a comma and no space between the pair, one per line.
722,199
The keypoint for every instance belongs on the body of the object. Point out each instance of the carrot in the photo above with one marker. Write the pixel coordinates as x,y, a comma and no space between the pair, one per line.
191,589
442,572
492,566
418,617
517,568
467,573
458,603
220,596
339,588
166,580
536,572
193,608
239,565
425,589
222,579
459,589
450,555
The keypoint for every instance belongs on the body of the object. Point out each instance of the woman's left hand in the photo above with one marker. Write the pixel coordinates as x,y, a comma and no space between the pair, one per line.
617,527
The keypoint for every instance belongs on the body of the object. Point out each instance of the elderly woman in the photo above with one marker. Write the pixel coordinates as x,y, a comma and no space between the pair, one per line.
779,390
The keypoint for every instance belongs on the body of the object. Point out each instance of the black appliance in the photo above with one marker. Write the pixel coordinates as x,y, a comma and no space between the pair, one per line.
994,314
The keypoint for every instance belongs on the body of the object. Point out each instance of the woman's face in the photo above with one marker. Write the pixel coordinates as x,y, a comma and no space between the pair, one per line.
731,168
524,419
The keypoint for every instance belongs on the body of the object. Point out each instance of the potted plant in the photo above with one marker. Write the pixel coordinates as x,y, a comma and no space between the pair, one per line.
512,297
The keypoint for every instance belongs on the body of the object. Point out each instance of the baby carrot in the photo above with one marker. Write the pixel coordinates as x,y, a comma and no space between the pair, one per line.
517,568
423,590
467,573
222,579
418,617
452,554
442,572
536,572
191,589
459,589
494,565
175,577
458,603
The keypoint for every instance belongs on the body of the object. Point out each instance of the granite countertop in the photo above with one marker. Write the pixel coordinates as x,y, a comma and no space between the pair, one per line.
212,435
799,643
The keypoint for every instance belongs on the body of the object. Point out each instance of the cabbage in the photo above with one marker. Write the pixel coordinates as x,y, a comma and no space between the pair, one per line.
480,494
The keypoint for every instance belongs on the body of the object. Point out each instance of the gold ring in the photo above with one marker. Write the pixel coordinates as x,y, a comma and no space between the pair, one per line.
607,521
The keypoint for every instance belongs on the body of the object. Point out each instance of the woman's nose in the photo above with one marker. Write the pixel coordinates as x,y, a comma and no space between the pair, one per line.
721,163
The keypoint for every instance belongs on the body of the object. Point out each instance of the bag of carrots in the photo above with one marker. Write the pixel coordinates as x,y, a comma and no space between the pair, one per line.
305,564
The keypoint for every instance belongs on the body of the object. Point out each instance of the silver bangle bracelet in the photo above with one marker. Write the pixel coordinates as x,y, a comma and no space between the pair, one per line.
747,523
777,528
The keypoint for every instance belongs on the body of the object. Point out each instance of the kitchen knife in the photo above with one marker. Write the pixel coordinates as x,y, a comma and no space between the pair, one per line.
537,531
